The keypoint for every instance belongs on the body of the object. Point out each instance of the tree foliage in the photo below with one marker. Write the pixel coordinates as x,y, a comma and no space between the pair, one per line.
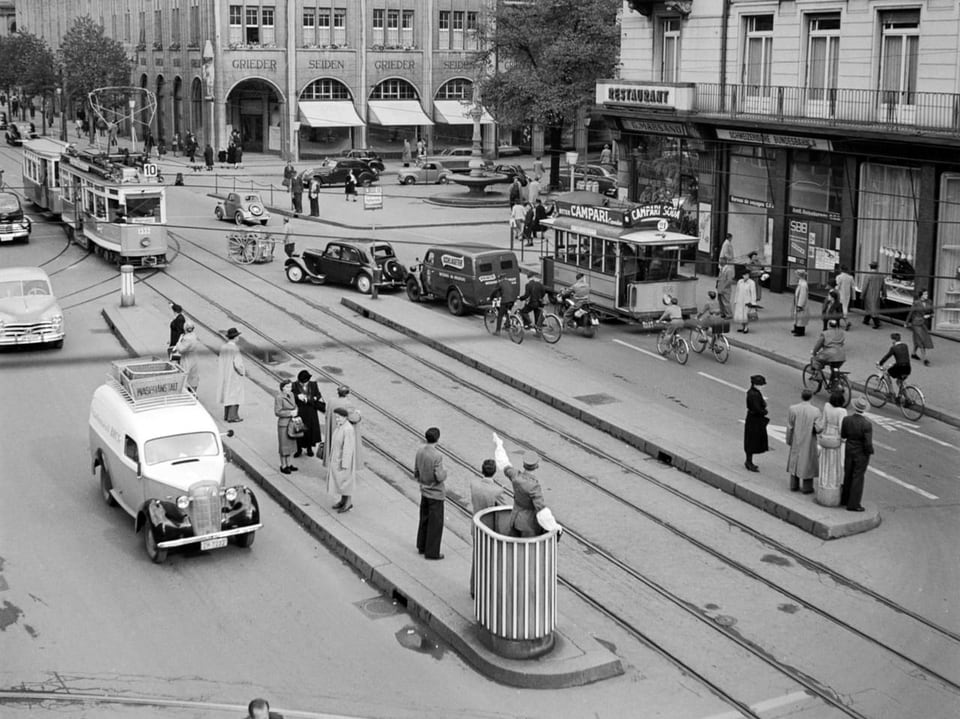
28,63
550,55
90,59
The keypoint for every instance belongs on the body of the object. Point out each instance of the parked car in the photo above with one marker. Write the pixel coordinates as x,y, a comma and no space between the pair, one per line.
507,150
606,180
334,171
457,159
3,121
14,225
431,172
512,171
347,263
463,278
243,208
29,311
373,159
17,132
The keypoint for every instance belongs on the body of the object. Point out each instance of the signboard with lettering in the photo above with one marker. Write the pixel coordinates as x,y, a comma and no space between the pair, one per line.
649,95
653,127
619,217
260,64
777,140
373,198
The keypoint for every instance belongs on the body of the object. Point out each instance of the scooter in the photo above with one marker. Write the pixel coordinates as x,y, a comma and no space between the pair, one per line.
585,317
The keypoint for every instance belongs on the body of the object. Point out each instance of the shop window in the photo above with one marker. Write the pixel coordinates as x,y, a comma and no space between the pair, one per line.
394,89
443,30
823,53
899,47
946,294
758,55
456,89
326,89
670,49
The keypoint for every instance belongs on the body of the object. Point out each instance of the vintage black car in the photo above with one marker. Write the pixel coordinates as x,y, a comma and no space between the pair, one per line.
347,263
334,171
17,132
365,154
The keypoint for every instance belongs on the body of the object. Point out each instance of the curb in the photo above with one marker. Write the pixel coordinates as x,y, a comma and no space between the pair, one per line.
688,465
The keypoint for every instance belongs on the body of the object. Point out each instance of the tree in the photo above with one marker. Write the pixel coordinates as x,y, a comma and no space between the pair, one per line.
27,63
90,60
548,55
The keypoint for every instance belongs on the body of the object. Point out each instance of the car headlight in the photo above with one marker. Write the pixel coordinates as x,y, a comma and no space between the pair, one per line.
145,242
231,494
56,321
183,501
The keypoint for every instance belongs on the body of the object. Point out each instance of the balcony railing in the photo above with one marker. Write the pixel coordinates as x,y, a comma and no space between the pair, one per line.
934,112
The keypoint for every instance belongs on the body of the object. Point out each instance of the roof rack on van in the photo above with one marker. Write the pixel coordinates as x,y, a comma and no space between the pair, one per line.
148,384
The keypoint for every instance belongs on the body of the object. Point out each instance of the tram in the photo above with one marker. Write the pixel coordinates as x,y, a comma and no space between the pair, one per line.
631,255
41,172
117,209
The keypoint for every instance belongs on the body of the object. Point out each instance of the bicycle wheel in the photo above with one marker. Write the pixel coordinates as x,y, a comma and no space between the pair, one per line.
516,329
812,379
721,349
663,345
843,385
877,390
550,329
698,340
911,402
490,320
681,350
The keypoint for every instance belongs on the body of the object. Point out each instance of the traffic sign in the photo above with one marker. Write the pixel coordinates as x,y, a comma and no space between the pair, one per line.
373,198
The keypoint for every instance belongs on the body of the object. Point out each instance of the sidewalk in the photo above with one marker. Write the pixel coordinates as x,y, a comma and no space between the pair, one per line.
376,538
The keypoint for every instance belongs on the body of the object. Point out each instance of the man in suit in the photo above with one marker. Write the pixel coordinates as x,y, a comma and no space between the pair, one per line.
803,463
527,497
429,471
486,493
176,328
858,432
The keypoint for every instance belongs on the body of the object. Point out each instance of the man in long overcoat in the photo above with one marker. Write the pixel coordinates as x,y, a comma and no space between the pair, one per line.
858,431
725,287
802,462
874,292
342,460
231,374
801,305
341,400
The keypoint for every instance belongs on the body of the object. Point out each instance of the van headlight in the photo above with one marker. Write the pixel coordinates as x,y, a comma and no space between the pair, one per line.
231,494
183,501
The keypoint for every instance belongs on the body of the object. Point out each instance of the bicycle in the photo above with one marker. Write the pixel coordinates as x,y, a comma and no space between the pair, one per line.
813,378
512,320
549,328
701,335
677,346
879,391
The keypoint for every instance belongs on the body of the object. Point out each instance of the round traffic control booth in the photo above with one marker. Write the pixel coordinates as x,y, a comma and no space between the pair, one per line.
516,587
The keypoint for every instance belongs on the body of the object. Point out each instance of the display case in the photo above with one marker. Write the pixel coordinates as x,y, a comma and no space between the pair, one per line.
946,301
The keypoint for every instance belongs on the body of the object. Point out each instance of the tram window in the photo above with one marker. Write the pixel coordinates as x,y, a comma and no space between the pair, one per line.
584,257
101,209
506,264
143,207
573,249
596,254
560,243
609,257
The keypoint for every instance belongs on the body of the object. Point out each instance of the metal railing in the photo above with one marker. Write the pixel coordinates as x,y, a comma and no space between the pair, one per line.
887,109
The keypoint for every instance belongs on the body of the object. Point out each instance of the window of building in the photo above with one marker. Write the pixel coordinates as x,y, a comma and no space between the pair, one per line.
394,89
142,29
236,24
669,49
114,27
158,27
267,22
379,22
393,27
406,28
326,89
758,55
443,30
308,35
175,25
126,26
456,89
823,52
457,27
195,23
899,47
340,26
251,34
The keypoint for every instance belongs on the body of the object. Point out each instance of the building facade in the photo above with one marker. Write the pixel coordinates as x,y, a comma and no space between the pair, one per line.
294,77
818,132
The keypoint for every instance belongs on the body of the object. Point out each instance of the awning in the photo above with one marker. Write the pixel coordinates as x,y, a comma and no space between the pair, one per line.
329,113
453,112
397,113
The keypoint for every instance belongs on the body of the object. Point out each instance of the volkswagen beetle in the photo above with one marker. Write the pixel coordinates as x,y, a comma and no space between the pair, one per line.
243,208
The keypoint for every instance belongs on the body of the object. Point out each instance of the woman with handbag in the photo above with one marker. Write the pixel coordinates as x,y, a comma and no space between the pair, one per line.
285,407
830,479
306,392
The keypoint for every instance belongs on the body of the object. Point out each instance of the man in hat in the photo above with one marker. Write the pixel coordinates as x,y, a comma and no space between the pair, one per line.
231,374
527,497
486,493
858,431
726,249
830,349
874,292
176,329
845,288
755,426
803,462
341,400
755,269
725,284
430,473
801,307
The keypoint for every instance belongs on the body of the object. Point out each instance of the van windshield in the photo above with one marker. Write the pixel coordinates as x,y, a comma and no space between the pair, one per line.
181,446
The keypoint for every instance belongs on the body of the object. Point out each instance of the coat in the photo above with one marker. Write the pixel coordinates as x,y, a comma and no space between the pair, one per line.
916,320
746,295
231,373
342,467
873,292
308,408
725,283
844,283
329,424
429,472
801,304
284,407
533,191
485,493
527,501
803,460
755,427
189,348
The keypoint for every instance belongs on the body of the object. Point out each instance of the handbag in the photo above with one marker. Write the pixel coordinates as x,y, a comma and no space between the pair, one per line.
828,441
295,428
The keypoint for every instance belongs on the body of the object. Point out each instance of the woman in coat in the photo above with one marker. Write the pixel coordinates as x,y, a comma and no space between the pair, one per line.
801,305
188,347
920,312
755,427
350,187
341,453
309,403
746,296
285,407
830,478
832,309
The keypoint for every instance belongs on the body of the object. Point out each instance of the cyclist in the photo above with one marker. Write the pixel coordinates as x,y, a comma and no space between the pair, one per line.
711,317
580,291
673,316
532,297
830,349
900,369
507,294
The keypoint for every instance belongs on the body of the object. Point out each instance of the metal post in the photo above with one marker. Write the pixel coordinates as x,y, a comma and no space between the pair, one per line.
127,298
133,126
376,282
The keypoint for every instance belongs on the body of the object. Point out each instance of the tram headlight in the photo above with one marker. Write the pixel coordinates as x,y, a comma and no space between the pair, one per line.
231,494
183,502
145,242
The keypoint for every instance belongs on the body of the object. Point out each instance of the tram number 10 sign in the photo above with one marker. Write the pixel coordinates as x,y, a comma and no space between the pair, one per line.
150,169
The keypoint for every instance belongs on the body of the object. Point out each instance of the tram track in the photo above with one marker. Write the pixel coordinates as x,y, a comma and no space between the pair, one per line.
599,454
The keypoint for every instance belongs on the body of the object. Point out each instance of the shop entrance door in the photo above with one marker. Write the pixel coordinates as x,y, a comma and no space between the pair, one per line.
251,132
812,244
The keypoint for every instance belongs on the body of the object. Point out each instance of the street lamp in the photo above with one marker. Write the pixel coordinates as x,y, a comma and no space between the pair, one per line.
63,114
133,126
476,154
586,149
572,156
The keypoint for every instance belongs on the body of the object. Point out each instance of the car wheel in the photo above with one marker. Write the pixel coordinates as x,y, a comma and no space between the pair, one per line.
238,219
409,180
156,555
244,540
455,302
366,179
364,283
442,180
106,484
218,212
294,272
413,290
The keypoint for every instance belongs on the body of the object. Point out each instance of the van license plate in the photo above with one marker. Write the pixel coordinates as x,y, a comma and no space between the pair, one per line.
213,543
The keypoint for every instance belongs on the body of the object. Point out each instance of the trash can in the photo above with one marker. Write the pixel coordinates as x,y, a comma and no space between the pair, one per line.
515,601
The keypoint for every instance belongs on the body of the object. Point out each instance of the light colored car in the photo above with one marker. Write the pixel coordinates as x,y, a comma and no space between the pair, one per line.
457,159
29,311
14,225
243,208
430,173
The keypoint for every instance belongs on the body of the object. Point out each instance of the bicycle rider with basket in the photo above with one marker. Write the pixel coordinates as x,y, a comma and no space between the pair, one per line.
901,368
673,316
830,350
711,317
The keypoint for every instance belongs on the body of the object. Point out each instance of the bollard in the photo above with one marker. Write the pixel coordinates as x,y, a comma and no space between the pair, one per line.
376,282
127,298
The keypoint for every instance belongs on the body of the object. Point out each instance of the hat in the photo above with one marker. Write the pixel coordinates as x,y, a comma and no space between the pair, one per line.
531,460
342,411
343,390
176,307
232,332
188,326
832,323
353,415
729,236
303,376
711,294
758,379
860,405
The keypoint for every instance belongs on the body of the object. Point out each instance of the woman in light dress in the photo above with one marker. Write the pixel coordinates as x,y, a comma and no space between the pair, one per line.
827,485
343,458
746,296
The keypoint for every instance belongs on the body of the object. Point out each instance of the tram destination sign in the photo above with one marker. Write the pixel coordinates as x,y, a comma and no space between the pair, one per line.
616,216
